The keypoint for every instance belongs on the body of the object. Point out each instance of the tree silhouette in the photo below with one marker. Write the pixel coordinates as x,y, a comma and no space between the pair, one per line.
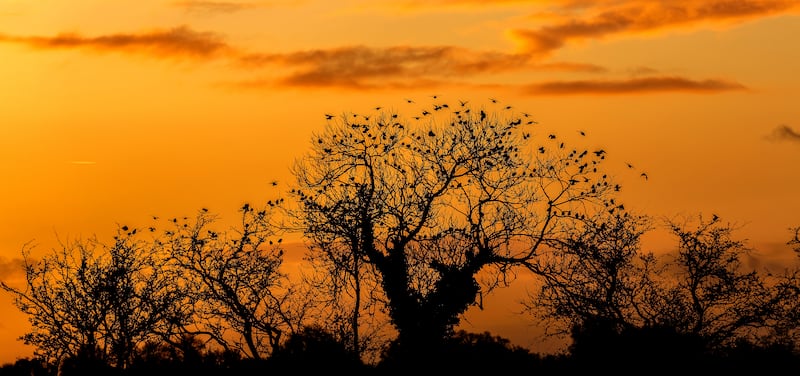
426,205
701,299
93,302
597,278
237,292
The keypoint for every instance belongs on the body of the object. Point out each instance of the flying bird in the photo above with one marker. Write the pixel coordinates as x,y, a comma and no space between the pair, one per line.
328,116
644,175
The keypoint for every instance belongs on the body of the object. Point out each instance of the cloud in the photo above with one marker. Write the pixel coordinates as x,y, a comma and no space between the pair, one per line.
784,133
607,18
368,67
176,42
11,268
633,85
212,6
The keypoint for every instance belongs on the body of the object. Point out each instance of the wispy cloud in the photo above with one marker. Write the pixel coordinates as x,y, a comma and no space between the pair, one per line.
605,18
176,42
784,133
633,85
10,268
212,6
364,67
368,68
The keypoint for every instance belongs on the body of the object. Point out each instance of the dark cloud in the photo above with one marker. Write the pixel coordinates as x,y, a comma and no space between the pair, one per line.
784,133
633,85
610,17
176,42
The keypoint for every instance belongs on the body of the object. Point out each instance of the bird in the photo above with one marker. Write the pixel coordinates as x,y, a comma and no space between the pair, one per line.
582,133
328,116
644,175
483,115
629,165
274,183
409,100
463,103
493,100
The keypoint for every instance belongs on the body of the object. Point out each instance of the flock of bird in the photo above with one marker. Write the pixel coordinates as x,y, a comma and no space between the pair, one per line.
483,115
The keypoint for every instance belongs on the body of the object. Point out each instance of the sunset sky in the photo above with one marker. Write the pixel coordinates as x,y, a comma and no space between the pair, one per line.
112,111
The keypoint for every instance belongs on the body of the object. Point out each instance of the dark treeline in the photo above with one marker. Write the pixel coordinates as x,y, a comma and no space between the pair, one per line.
408,222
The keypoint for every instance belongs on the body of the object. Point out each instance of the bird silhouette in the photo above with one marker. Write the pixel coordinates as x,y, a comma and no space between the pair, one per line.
493,100
644,175
328,116
483,115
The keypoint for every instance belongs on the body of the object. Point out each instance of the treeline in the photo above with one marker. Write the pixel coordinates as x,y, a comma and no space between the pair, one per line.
408,223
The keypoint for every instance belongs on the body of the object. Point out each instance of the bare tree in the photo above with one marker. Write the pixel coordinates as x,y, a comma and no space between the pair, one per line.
430,203
600,280
722,300
240,296
92,299
597,275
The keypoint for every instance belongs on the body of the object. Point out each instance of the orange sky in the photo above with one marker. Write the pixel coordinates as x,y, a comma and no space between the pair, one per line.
114,111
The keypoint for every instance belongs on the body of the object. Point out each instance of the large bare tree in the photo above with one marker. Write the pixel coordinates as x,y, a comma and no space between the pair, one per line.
440,205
